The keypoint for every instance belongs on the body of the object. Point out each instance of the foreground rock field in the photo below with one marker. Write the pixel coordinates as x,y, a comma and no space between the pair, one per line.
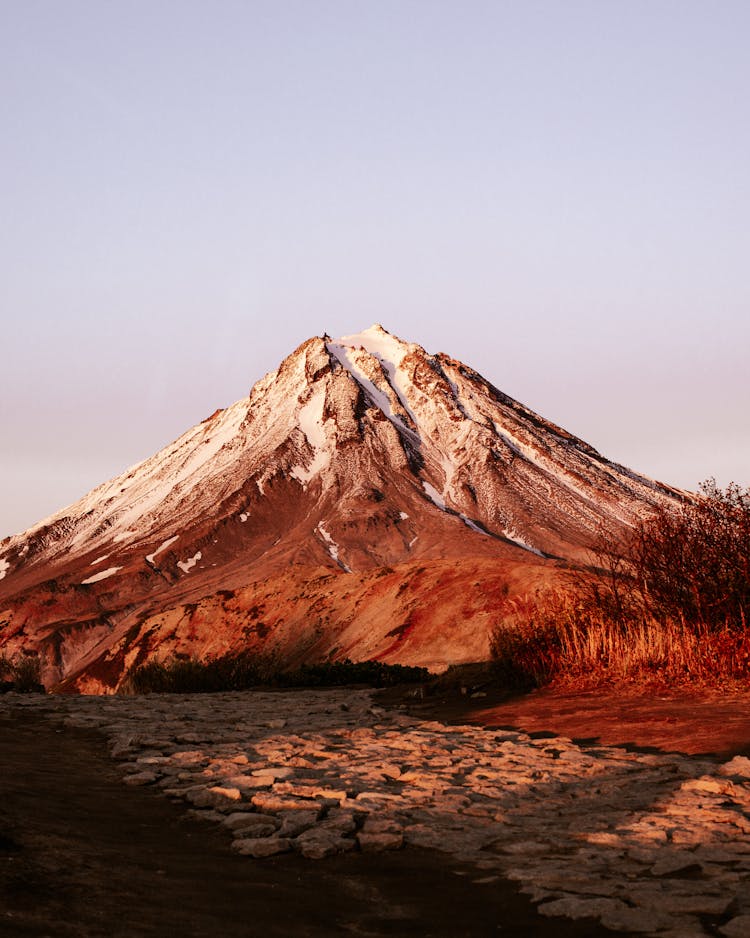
649,844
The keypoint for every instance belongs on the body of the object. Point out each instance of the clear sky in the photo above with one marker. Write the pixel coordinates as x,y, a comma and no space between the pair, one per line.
556,193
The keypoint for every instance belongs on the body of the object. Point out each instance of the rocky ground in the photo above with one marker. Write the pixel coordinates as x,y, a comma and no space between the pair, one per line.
640,842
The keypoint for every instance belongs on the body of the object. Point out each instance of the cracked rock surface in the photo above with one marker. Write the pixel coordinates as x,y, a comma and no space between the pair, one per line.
648,844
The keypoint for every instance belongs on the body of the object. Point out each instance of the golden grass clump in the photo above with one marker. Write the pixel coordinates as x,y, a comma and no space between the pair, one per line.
670,606
554,638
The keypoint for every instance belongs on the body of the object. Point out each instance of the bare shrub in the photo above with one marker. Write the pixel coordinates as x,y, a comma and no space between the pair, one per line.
671,605
244,670
694,563
233,671
21,673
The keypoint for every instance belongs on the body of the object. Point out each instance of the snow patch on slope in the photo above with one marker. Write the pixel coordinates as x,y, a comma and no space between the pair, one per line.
4,567
147,486
433,494
187,565
449,465
472,525
311,423
161,547
126,507
520,542
390,352
437,499
346,356
378,342
101,575
333,547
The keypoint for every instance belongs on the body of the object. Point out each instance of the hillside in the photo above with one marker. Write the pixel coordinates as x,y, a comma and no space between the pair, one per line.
367,499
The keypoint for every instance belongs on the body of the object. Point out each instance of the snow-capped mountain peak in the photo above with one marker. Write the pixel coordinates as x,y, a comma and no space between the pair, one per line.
355,454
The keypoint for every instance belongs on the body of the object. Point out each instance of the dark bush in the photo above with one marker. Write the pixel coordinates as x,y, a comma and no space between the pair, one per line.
339,673
21,674
234,671
243,670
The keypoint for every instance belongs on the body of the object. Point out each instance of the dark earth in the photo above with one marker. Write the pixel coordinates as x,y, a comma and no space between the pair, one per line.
83,855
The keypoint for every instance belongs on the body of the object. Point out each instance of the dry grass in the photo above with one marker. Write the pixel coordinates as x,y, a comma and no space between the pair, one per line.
558,638
669,607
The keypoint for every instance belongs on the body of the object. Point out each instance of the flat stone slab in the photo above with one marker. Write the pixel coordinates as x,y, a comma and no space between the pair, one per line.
260,847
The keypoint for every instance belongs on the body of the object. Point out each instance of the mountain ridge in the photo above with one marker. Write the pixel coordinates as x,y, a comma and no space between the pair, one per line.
356,453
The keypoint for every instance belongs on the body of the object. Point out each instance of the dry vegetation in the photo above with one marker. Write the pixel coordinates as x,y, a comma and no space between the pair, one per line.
20,674
244,670
670,606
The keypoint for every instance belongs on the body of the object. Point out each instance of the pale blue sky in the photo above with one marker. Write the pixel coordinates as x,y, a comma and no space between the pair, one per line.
555,192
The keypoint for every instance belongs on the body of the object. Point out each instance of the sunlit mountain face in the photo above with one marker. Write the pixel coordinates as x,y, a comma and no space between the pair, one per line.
367,499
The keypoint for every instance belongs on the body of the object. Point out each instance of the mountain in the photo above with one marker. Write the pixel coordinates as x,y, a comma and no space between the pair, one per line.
367,499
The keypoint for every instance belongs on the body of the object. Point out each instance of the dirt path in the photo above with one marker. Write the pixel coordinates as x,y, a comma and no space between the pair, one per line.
82,855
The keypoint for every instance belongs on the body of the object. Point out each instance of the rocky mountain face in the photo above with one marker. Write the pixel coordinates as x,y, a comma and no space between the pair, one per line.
367,499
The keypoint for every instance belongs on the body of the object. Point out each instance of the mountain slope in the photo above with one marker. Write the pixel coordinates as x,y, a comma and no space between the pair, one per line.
355,456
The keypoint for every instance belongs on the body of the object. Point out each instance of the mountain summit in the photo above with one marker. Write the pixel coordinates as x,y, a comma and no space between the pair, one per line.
367,499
